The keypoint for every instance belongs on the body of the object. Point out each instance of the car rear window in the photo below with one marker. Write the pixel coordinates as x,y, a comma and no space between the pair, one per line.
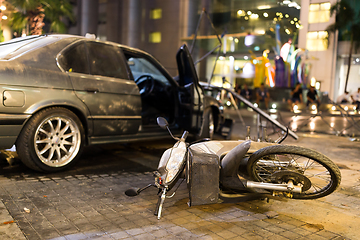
18,46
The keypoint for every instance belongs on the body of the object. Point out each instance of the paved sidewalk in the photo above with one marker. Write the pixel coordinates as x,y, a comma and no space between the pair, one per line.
92,204
95,207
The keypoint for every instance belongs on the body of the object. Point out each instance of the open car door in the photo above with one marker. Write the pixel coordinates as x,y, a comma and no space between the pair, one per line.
191,95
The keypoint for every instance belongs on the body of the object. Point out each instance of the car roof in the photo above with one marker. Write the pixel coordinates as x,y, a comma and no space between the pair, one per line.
22,45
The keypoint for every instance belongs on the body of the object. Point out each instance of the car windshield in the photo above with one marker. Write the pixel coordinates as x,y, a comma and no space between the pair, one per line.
17,46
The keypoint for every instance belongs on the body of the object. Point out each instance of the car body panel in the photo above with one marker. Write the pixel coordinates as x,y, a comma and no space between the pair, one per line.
32,78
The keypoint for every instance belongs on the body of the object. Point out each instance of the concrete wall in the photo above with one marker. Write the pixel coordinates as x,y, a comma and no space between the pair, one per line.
323,62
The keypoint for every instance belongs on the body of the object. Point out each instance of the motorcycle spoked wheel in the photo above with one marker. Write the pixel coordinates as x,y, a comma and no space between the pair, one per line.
318,175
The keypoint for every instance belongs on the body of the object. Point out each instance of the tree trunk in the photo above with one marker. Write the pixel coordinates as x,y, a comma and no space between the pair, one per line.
349,62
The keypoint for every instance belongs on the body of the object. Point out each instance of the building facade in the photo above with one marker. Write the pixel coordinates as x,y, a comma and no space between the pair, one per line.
252,33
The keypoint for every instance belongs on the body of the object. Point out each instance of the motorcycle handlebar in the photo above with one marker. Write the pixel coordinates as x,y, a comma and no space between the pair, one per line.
184,136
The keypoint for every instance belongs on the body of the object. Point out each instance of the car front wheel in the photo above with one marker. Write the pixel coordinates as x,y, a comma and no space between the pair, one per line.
208,126
51,140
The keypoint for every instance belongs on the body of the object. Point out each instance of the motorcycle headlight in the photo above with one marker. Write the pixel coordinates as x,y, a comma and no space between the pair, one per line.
175,162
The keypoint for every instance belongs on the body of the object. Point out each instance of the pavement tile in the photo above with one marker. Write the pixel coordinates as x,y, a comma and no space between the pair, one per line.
251,235
159,233
327,234
302,231
202,231
275,229
135,231
119,235
237,230
226,234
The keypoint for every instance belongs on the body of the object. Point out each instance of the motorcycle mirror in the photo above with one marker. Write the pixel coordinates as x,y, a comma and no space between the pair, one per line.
162,122
131,192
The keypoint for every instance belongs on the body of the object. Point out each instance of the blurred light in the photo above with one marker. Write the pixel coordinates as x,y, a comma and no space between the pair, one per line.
237,68
295,19
287,31
286,1
260,32
333,108
231,58
265,14
4,17
273,105
246,18
230,38
287,15
354,108
275,19
332,124
293,4
296,107
228,103
256,48
254,16
313,107
262,7
255,105
241,13
357,60
312,125
292,22
236,40
249,12
221,58
249,69
312,81
346,108
3,8
317,85
293,126
246,57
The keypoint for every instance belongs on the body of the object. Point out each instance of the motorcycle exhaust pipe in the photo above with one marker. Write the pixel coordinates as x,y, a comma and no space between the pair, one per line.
289,187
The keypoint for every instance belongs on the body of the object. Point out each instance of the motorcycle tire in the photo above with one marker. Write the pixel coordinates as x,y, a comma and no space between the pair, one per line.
318,175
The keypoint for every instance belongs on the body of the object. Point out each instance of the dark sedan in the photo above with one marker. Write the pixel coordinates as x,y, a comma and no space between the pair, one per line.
61,92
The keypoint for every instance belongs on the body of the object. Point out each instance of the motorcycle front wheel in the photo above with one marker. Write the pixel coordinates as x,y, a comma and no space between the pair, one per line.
315,172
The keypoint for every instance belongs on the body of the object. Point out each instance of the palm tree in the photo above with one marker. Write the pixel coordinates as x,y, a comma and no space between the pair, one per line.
32,13
347,21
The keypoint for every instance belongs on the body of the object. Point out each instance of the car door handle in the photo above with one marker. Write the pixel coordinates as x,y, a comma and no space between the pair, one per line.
92,90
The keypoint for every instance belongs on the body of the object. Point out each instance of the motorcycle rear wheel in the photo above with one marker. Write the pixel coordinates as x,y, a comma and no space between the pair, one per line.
318,175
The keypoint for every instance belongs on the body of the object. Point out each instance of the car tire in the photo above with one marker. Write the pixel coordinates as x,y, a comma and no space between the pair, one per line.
208,126
51,140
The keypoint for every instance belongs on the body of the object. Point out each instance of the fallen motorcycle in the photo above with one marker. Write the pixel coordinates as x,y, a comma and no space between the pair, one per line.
214,169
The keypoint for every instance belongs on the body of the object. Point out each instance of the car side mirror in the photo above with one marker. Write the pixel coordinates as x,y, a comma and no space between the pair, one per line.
162,122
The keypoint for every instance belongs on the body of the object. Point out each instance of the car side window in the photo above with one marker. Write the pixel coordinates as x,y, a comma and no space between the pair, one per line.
75,60
105,60
140,66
